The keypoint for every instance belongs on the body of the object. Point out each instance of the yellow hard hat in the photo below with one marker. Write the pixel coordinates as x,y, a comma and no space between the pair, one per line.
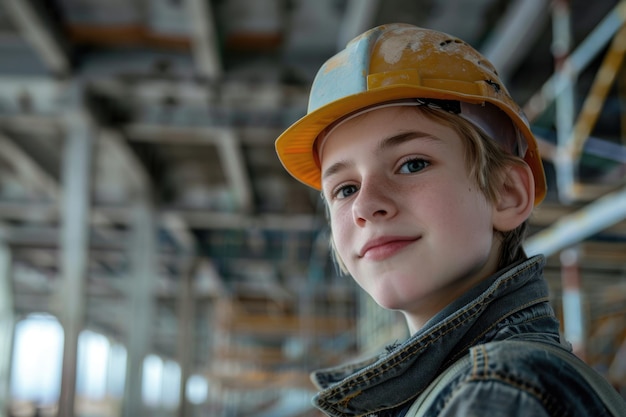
396,62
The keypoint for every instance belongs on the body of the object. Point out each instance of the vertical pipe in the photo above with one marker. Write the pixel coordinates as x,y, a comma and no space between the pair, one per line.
6,326
76,178
561,28
142,247
573,317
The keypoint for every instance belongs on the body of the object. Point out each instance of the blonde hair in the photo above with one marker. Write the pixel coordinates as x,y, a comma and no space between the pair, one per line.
486,162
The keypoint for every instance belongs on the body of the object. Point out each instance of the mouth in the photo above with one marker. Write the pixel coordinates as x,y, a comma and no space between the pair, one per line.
382,248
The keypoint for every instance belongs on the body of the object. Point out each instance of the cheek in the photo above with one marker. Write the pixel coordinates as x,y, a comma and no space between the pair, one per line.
339,225
463,210
473,220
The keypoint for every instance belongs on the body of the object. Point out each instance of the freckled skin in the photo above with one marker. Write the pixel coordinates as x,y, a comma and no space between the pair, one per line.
435,225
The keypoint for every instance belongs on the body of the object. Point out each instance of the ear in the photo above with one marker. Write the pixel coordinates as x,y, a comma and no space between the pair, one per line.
515,199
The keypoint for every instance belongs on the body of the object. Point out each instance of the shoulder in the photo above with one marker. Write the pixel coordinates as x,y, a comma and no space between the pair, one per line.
518,379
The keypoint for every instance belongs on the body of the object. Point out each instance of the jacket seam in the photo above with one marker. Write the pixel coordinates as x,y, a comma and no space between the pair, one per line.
474,341
479,374
549,403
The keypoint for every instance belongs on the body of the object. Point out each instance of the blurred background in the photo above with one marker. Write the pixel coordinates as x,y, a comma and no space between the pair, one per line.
156,260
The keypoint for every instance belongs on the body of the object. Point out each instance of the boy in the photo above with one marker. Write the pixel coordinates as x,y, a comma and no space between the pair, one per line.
429,172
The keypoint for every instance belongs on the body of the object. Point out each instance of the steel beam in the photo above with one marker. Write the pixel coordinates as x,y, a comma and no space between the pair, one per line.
140,300
28,171
204,39
76,180
234,165
117,147
40,35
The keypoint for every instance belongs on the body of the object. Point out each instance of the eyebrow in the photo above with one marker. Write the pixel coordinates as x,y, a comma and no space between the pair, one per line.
404,137
386,143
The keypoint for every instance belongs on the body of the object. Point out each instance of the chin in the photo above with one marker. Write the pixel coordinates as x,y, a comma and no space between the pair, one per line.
390,303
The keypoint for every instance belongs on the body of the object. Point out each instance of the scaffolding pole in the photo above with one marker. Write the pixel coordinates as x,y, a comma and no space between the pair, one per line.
565,99
140,298
605,77
577,61
76,182
576,227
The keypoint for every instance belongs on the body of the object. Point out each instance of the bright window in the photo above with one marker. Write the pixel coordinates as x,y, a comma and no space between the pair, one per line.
152,380
93,357
197,389
37,360
116,377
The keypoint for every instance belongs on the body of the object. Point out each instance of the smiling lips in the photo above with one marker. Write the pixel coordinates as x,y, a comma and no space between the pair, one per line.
385,247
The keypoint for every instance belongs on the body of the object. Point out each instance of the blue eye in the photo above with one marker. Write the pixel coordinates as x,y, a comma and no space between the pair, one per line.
413,165
345,191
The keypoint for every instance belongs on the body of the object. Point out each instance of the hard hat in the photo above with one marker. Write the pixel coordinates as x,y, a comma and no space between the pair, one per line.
391,63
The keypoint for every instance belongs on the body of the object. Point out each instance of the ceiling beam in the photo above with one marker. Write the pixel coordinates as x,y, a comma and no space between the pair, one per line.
40,34
191,218
228,146
234,166
27,169
201,135
34,175
204,39
115,146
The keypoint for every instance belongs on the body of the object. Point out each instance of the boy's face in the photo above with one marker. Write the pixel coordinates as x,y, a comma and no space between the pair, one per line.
410,225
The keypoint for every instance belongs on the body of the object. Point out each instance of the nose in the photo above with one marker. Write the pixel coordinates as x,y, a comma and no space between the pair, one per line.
374,202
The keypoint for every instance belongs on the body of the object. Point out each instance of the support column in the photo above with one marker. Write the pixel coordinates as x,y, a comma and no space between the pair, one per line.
186,324
140,298
76,183
6,327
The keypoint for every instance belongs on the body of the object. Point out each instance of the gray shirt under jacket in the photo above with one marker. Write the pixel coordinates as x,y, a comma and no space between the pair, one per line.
512,304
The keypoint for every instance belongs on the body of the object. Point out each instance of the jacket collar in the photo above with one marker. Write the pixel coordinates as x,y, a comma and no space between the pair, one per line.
402,373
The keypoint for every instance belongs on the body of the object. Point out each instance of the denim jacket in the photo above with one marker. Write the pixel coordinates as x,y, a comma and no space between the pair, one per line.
512,304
